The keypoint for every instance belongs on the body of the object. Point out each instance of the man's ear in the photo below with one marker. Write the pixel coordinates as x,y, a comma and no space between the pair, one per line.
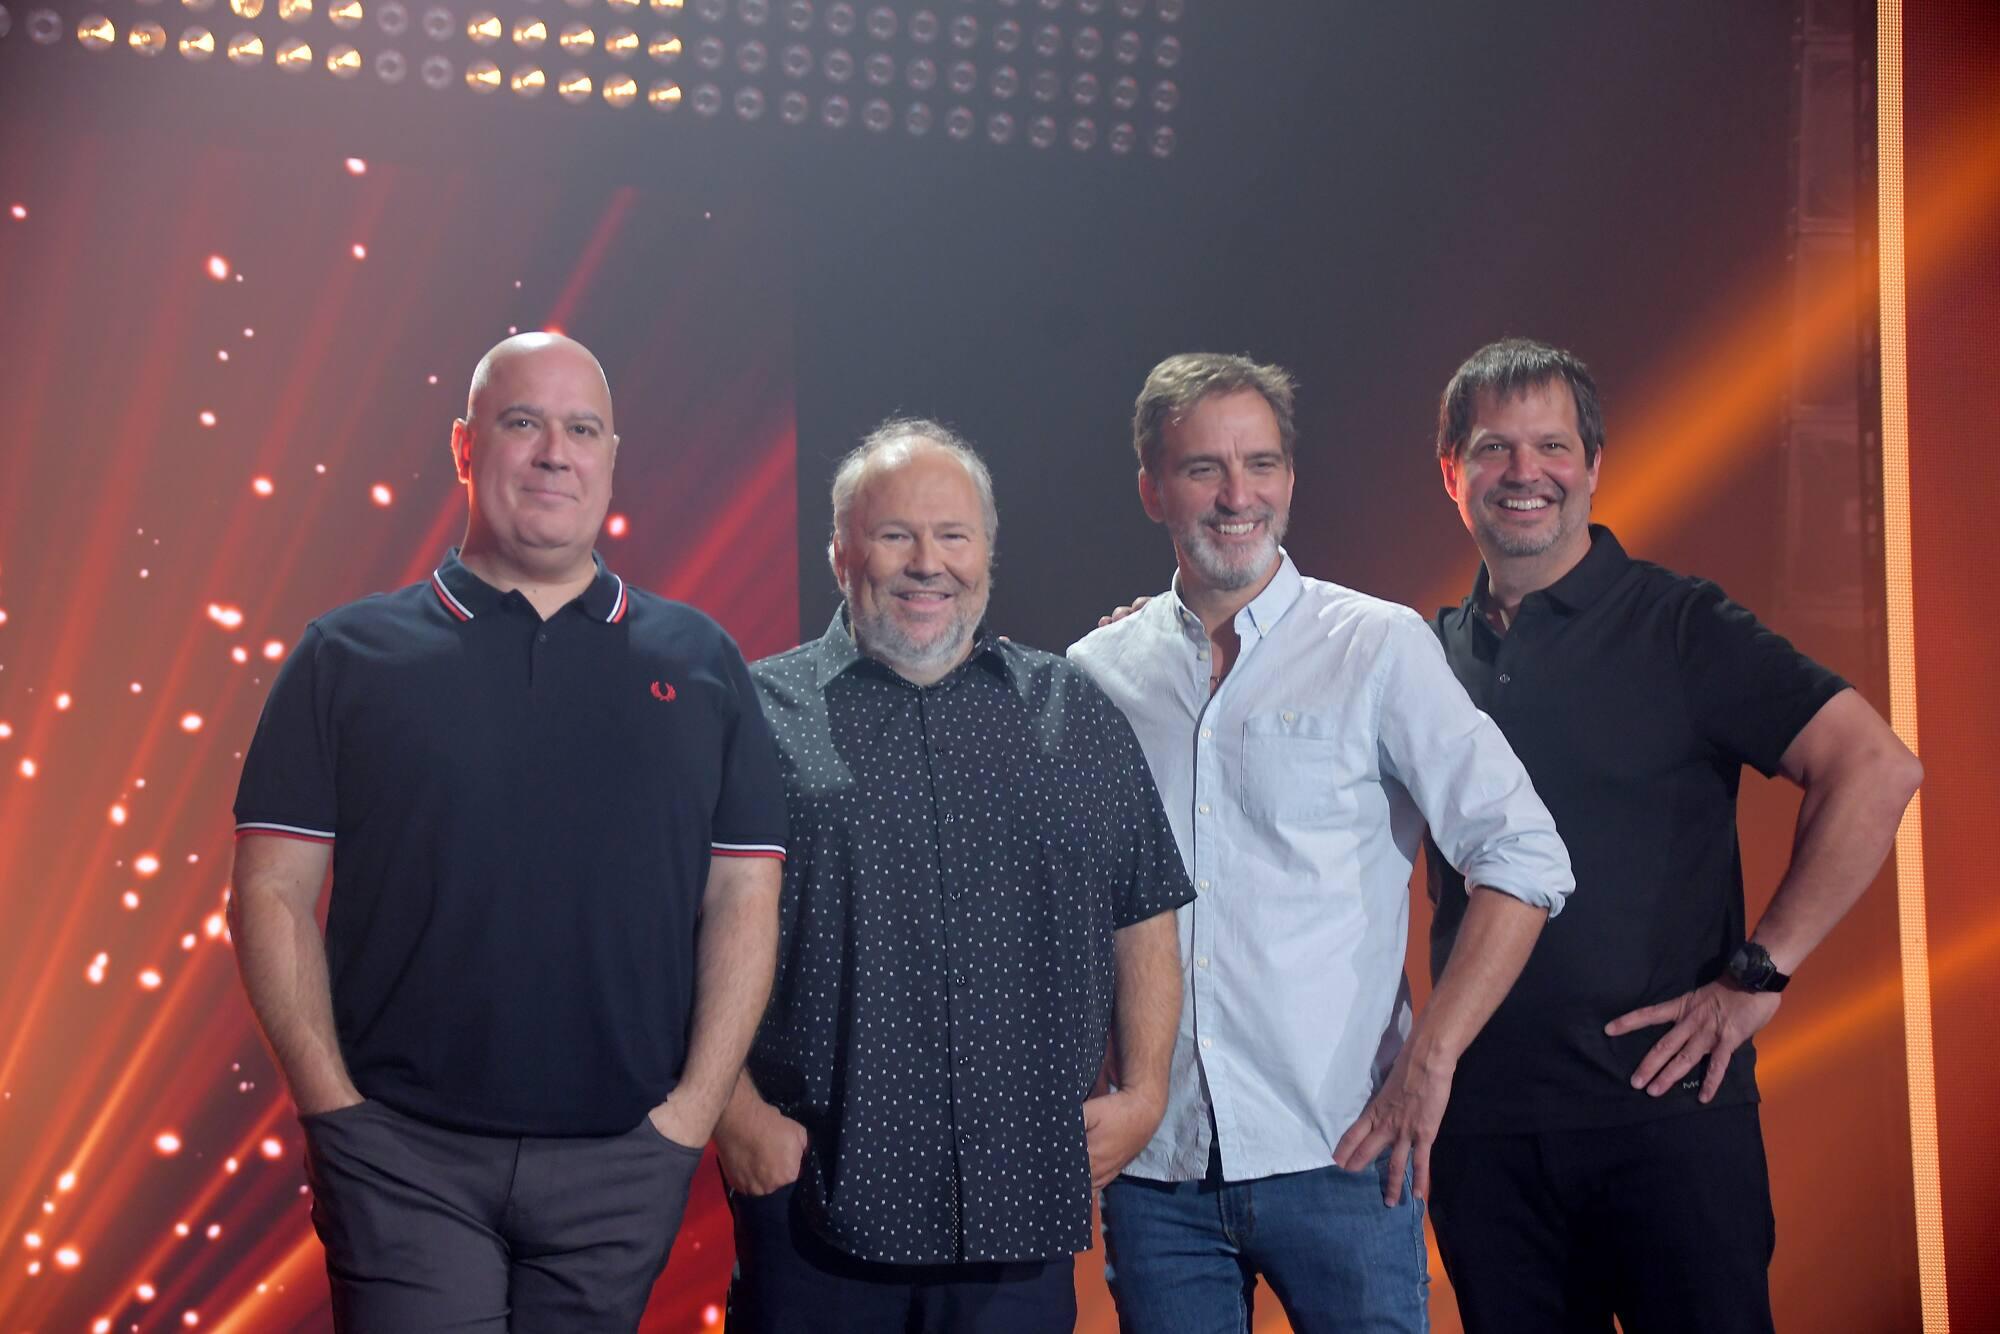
1448,468
1149,496
461,450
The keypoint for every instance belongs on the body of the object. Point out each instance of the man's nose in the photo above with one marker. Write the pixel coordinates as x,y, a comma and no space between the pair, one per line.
926,556
552,452
1235,493
1523,465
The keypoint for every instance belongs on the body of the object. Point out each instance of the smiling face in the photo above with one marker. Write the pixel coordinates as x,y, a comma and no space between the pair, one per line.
1522,484
914,562
1223,487
535,450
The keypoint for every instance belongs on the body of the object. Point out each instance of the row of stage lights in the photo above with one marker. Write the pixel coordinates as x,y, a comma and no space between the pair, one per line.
1125,57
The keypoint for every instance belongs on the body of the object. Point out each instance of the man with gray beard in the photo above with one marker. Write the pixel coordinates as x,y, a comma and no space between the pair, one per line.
1302,735
979,867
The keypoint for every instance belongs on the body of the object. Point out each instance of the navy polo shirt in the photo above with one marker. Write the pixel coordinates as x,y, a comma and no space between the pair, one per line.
522,814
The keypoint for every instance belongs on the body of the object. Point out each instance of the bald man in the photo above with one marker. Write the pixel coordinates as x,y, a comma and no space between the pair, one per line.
553,812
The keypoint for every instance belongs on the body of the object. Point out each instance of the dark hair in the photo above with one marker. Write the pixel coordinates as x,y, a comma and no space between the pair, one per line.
1177,384
1507,369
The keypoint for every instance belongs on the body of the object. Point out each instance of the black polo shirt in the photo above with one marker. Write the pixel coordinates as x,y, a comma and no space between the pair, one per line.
961,854
1634,696
522,815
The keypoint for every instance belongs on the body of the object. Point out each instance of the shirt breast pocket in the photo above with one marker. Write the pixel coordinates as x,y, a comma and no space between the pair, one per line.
1291,768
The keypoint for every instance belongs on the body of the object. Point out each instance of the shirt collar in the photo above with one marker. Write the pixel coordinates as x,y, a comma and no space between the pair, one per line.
836,653
1586,581
465,595
1261,613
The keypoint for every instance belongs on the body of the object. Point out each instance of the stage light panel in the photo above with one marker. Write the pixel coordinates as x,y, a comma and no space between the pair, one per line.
528,81
574,87
293,55
858,54
664,95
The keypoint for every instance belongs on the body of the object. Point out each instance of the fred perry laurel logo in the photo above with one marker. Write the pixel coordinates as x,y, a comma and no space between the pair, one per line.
663,691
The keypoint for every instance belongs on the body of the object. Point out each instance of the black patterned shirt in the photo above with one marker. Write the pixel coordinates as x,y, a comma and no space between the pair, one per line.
960,855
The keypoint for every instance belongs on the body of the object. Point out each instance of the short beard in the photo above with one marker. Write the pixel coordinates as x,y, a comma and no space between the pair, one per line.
1216,569
879,636
1523,546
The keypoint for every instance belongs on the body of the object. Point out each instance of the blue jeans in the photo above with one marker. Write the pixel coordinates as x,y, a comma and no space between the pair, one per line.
1183,1257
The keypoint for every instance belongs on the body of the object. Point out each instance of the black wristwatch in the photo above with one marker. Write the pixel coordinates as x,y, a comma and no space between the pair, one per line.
1751,968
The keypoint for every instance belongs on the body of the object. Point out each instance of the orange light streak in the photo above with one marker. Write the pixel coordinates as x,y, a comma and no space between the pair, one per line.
1900,584
585,272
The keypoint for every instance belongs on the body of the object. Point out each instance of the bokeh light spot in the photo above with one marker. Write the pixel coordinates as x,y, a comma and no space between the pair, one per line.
190,722
381,494
150,978
146,864
263,486
218,268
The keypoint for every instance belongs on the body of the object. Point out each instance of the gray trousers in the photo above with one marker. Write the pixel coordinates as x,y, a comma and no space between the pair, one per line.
433,1229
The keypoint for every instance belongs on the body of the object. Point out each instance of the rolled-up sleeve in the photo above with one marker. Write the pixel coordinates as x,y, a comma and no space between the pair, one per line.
1483,811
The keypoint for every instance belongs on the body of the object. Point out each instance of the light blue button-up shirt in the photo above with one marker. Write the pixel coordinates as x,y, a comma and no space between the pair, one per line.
1299,793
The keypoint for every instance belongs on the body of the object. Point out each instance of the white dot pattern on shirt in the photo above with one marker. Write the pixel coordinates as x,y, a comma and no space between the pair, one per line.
959,858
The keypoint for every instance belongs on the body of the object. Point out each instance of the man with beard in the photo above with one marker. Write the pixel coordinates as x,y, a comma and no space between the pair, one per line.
978,867
553,814
1302,734
1590,1167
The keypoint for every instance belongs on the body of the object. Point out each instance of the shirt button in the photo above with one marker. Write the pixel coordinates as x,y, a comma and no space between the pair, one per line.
1206,734
1201,884
1201,961
1203,808
1206,1044
1289,715
543,636
1504,678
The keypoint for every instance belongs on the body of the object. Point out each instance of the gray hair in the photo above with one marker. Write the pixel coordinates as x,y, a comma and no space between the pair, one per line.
1177,384
906,435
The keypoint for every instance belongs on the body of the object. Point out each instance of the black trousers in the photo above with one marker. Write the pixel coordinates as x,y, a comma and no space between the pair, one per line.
1666,1225
789,1281
432,1229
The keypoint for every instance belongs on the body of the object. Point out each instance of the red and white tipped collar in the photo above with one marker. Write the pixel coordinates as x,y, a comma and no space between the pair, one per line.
464,595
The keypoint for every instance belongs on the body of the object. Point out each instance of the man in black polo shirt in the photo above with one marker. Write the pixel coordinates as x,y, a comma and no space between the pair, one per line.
553,812
1590,1164
979,865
